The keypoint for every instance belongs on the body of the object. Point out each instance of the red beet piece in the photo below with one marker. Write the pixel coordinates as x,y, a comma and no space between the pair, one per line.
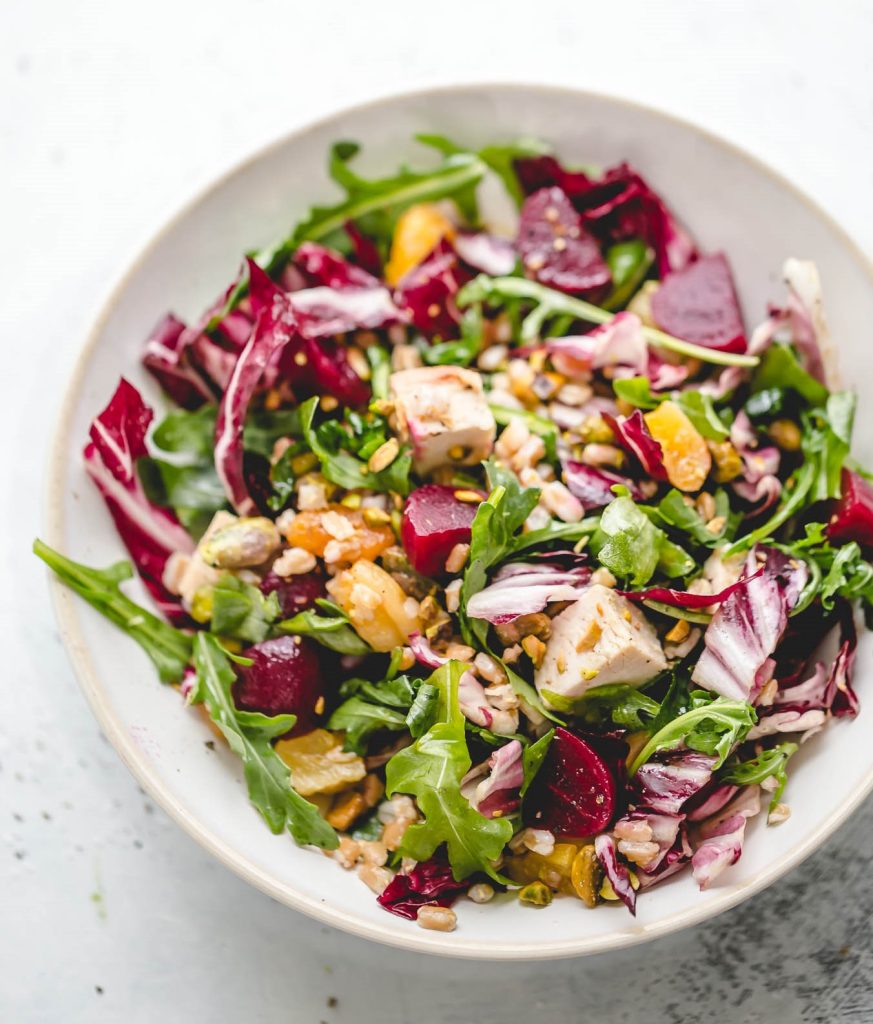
427,293
434,521
284,678
699,303
576,791
555,247
295,593
853,517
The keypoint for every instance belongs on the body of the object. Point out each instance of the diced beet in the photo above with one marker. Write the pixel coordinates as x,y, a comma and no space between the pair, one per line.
853,517
699,303
434,521
576,791
295,593
284,678
555,247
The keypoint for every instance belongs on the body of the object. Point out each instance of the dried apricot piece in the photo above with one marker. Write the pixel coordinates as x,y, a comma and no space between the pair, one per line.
686,456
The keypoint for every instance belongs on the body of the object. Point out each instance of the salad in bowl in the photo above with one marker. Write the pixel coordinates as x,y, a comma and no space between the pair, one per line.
510,565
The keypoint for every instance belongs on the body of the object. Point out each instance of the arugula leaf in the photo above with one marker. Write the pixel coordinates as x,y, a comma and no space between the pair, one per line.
676,513
500,159
423,710
780,368
332,631
248,734
769,764
532,758
795,496
549,304
673,560
380,371
241,610
627,542
629,262
264,428
623,705
461,352
168,648
700,409
834,572
454,178
713,725
346,470
360,719
431,771
637,391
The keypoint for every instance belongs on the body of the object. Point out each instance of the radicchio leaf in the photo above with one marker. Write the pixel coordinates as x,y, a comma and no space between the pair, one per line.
667,780
427,293
150,533
684,598
522,588
429,883
620,342
616,872
492,255
593,486
634,437
493,786
325,267
718,841
164,357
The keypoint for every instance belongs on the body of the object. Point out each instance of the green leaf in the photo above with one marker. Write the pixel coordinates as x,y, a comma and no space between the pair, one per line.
795,496
835,573
699,408
168,648
769,764
780,368
241,610
333,631
713,725
345,469
461,352
454,177
184,432
423,710
267,776
616,703
675,513
637,391
380,371
549,304
360,719
629,262
368,829
431,771
532,759
626,542
499,159
264,428
674,561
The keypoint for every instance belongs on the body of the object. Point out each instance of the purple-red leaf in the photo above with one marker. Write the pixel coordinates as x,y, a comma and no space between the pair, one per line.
593,486
684,598
632,434
429,883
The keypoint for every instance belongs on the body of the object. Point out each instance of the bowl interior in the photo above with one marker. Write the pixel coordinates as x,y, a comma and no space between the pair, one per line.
729,201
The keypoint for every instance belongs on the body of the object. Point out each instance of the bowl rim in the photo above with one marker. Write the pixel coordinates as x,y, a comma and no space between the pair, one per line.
66,606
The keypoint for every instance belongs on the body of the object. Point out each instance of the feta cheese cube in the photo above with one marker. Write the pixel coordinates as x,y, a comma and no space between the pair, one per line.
441,411
601,638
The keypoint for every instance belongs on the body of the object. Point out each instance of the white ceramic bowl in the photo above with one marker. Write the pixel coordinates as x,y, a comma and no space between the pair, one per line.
730,201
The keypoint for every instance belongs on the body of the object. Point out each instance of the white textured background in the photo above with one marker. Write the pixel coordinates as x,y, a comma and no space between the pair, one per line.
111,115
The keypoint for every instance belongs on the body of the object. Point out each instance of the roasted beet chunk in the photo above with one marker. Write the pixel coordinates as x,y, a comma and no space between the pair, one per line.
699,304
853,517
434,521
295,593
555,247
284,678
575,791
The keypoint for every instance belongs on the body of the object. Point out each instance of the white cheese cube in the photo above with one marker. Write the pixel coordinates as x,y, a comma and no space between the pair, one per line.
441,411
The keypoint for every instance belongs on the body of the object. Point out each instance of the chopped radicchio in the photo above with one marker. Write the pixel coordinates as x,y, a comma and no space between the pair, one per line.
489,253
521,588
718,842
150,533
665,782
619,342
428,883
759,484
744,632
686,599
424,653
365,250
593,485
616,872
646,837
618,206
493,786
427,292
632,434
165,358
323,267
555,247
